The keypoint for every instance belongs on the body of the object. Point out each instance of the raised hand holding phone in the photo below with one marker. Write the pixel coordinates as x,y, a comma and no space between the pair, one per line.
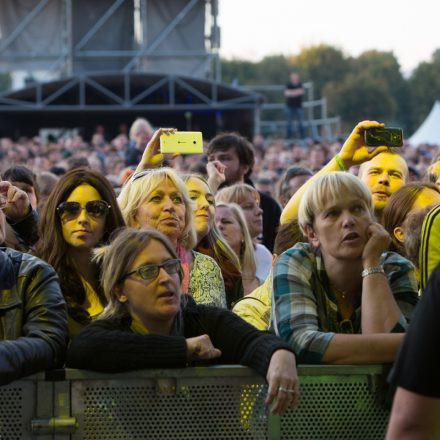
182,142
152,156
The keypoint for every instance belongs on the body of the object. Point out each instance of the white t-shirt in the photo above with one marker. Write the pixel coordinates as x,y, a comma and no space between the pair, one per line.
263,260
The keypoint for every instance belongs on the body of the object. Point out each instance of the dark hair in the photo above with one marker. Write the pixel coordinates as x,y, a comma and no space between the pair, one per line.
283,188
22,174
242,147
52,247
287,236
399,205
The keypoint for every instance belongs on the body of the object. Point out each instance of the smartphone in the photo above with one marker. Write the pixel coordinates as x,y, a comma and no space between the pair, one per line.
183,142
390,137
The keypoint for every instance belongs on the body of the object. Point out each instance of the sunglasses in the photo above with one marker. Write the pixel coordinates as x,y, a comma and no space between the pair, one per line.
71,210
150,272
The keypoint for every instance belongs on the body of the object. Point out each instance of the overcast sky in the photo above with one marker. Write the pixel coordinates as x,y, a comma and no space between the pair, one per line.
251,29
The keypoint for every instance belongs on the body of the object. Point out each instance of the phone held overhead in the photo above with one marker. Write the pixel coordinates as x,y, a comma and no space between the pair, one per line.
390,137
183,142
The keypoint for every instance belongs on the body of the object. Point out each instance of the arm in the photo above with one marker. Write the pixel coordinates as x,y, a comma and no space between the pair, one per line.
152,157
109,347
296,319
353,152
380,311
362,349
414,417
44,330
293,93
19,213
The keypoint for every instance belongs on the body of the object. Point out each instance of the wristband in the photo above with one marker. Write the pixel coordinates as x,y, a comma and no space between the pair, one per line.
372,270
340,163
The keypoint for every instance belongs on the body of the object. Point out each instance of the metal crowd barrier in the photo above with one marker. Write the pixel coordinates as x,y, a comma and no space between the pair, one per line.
222,402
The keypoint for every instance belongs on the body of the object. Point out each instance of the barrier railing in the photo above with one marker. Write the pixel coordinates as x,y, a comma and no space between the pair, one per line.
222,402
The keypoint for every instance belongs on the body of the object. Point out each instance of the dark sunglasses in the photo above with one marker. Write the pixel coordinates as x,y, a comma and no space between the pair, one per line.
150,272
71,210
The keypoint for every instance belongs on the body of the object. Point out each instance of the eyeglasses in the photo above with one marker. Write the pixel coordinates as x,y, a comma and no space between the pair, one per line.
150,272
71,210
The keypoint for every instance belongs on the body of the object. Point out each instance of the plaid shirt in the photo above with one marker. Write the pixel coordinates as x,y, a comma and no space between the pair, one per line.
304,308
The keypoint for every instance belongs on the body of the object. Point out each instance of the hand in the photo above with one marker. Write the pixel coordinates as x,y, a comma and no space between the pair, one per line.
216,174
201,348
377,243
152,157
16,205
282,376
354,151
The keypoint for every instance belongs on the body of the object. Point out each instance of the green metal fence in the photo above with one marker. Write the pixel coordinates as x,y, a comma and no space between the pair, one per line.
223,402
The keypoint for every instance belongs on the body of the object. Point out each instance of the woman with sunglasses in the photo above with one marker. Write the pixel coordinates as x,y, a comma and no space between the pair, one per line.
149,324
80,214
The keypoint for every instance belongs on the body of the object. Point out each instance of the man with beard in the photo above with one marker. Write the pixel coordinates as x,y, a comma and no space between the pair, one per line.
233,156
384,174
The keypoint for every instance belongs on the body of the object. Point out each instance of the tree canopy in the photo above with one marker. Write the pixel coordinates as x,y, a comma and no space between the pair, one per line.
370,86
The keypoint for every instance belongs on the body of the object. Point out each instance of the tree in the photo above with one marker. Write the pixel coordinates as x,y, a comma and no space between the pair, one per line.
360,96
424,86
321,64
384,65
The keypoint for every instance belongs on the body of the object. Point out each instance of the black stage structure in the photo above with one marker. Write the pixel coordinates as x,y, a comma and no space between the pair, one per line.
110,99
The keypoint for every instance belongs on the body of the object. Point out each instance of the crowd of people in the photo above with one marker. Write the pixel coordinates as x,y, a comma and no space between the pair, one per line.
118,257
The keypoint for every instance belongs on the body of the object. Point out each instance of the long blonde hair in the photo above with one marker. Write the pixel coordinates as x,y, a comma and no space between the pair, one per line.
247,254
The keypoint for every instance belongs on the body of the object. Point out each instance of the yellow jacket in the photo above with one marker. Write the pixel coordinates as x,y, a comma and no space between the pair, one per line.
255,307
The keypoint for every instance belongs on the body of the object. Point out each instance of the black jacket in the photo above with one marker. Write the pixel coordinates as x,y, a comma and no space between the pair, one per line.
33,320
109,345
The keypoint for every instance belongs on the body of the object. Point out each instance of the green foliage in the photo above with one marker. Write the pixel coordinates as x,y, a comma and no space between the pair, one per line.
370,86
425,88
360,96
321,64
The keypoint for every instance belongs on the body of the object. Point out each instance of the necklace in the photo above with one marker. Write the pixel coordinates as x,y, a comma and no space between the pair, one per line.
339,292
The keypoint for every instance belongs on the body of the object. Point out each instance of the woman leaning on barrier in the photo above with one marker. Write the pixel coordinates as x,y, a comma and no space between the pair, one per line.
341,298
149,324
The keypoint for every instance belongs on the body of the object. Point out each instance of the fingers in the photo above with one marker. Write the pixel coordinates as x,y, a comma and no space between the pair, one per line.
205,350
284,397
4,187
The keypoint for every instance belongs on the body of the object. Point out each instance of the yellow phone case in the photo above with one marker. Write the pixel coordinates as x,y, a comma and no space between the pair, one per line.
183,142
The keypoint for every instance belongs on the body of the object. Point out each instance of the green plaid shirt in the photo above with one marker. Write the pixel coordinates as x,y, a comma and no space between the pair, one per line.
305,312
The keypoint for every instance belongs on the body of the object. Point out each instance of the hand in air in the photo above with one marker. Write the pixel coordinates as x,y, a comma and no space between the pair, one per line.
354,151
152,157
14,201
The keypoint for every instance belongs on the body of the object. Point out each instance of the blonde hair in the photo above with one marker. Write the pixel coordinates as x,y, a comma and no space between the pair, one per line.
215,239
138,124
236,193
332,186
118,257
141,185
247,254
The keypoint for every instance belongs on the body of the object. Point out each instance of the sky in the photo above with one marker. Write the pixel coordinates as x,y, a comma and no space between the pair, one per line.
252,29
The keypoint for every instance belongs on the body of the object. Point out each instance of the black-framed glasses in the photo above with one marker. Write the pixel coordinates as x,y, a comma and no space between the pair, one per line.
149,272
94,208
